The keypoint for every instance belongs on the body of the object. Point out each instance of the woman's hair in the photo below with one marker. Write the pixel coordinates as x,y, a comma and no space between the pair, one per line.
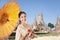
20,13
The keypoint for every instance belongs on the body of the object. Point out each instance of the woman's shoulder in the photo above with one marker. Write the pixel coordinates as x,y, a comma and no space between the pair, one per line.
19,26
29,25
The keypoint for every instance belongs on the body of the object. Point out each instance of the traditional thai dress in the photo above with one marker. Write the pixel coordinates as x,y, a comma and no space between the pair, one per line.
21,31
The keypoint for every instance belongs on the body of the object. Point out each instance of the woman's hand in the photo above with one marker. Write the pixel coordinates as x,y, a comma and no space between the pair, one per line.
31,33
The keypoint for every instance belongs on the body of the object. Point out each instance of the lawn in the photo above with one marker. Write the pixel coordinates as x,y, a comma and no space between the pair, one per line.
49,34
41,35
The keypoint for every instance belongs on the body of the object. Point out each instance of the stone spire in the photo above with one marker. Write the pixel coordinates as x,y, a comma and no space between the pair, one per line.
58,24
58,21
35,24
41,24
35,21
40,19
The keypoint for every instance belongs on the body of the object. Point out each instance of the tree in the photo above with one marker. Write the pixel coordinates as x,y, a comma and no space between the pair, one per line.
50,25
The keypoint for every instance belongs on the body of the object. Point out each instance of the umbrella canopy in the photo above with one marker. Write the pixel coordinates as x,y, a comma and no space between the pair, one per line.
8,18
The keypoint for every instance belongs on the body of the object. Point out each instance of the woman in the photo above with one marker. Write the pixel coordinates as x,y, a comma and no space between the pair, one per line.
24,31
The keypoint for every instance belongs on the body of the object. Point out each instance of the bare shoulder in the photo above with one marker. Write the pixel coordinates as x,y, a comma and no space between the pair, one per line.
29,25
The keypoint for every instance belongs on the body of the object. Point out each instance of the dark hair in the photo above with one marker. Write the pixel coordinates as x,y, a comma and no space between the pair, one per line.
22,12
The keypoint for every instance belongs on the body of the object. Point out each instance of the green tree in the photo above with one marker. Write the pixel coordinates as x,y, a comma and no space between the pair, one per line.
50,25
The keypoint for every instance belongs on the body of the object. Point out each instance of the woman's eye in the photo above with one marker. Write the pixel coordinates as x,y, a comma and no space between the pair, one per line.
24,16
21,17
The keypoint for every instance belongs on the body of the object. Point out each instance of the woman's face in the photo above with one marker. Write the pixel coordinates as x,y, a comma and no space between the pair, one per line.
23,18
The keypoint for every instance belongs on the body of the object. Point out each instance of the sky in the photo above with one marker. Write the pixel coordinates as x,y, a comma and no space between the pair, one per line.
49,8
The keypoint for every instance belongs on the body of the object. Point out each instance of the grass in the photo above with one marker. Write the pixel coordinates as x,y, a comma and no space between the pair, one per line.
12,39
41,35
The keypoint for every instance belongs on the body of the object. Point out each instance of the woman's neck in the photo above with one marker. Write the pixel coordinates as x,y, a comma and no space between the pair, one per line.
25,25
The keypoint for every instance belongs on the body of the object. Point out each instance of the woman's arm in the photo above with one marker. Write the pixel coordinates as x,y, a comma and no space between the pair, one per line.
18,34
23,32
31,34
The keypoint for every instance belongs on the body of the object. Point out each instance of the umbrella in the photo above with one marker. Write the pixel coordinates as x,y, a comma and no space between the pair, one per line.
8,18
